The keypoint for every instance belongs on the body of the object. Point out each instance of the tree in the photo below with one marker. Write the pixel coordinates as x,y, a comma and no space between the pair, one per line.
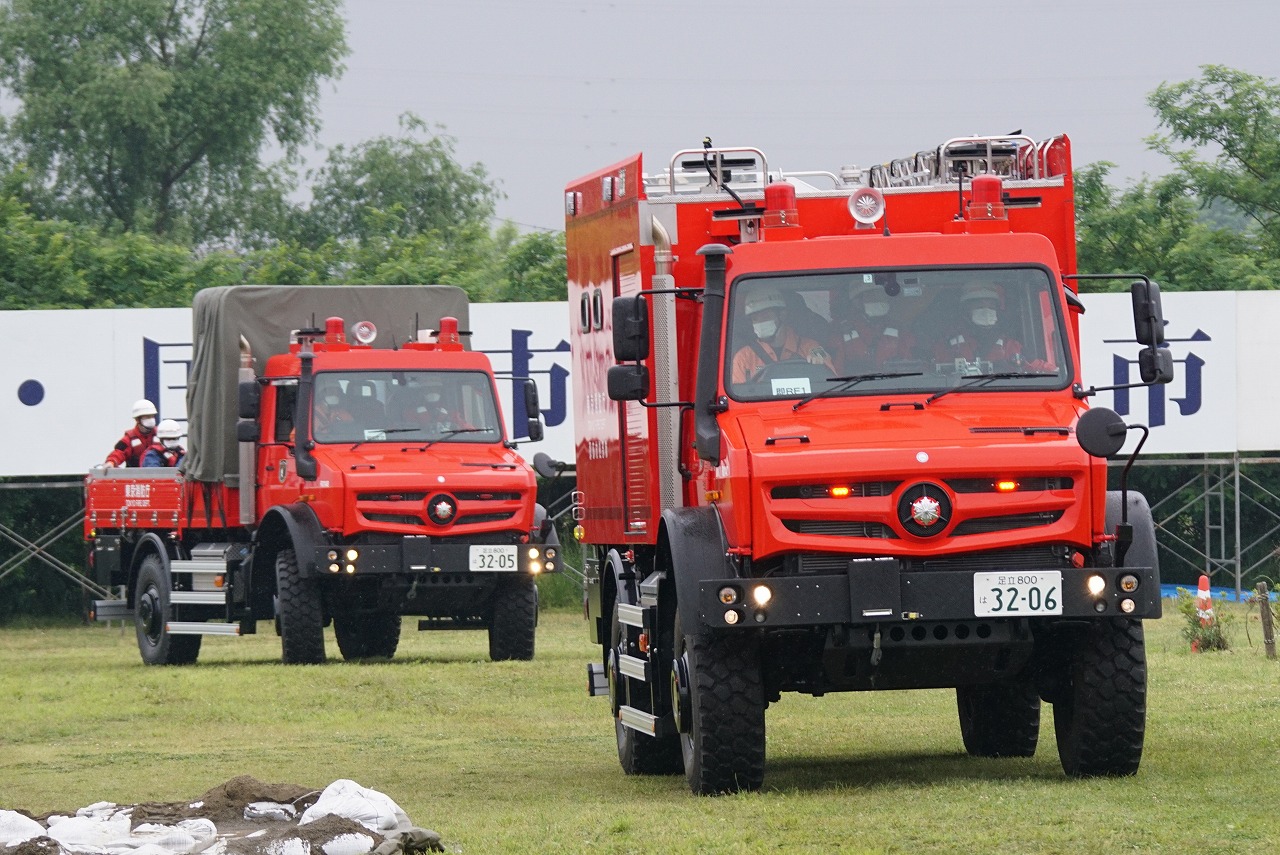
152,114
1236,115
534,269
1154,227
396,186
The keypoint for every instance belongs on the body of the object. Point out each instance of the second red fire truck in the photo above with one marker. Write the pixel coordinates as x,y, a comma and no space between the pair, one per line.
346,474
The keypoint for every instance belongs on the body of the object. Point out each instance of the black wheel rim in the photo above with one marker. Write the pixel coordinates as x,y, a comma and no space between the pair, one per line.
149,615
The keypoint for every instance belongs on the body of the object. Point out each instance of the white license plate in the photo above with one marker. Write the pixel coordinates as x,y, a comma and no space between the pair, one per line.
493,559
1037,592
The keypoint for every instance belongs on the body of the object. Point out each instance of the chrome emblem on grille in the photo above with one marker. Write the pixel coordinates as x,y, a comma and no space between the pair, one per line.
443,510
926,511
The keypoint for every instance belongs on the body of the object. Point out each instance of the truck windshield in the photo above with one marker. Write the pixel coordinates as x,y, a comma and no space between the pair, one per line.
901,331
404,406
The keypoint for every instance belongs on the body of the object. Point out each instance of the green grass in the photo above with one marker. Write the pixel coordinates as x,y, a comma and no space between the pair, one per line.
514,757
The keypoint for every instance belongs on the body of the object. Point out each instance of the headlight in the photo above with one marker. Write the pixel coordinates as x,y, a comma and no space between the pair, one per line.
352,554
1096,585
762,595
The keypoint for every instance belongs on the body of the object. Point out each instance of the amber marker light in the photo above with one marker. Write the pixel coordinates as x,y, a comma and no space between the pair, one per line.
839,492
1006,486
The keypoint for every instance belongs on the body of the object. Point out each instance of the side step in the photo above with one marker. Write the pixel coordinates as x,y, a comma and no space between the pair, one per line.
597,680
198,598
176,627
105,610
638,720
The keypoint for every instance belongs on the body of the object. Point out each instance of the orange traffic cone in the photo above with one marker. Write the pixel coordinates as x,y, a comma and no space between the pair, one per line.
1204,610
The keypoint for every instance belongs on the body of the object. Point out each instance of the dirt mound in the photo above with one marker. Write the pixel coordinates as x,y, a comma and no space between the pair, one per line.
225,803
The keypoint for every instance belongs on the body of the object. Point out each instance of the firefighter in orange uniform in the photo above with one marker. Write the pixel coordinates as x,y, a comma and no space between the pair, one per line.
775,340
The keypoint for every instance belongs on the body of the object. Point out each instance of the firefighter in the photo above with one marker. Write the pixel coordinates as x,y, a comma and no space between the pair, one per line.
774,339
424,407
167,450
978,336
137,439
332,420
871,337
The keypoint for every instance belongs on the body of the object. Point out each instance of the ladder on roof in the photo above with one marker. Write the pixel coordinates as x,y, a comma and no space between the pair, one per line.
1011,156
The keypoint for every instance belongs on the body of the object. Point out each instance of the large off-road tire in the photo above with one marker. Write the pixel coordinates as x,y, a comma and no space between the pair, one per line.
999,719
719,707
513,620
300,613
1101,718
151,612
638,753
367,636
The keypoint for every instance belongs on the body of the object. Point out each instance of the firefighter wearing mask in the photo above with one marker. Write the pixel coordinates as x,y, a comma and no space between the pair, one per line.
167,450
131,447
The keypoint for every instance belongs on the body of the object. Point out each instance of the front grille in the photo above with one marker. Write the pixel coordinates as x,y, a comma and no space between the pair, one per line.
397,519
823,563
484,518
1025,485
986,525
862,489
841,528
390,497
1030,558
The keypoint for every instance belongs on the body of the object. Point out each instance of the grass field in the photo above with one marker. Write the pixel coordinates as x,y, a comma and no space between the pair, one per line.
514,757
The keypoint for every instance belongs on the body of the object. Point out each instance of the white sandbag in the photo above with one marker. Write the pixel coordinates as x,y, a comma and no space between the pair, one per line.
348,844
203,830
90,834
289,846
372,809
270,811
173,840
15,828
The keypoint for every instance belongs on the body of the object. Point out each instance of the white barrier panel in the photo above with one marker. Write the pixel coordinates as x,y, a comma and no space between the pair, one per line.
71,376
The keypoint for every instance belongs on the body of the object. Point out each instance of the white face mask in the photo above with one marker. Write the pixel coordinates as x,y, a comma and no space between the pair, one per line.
984,317
331,400
876,310
433,397
148,423
170,443
765,329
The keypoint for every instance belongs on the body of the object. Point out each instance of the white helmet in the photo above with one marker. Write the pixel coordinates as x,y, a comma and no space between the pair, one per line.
143,407
168,429
765,300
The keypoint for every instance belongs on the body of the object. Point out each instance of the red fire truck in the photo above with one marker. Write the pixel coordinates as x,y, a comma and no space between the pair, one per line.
832,435
328,480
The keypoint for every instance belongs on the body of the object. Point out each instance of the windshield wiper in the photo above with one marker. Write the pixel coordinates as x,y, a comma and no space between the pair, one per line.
849,382
454,432
975,382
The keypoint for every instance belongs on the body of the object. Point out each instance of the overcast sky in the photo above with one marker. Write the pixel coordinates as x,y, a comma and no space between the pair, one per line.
542,91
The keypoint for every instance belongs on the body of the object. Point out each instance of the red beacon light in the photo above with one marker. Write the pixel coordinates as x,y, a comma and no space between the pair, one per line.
334,330
448,338
867,206
988,199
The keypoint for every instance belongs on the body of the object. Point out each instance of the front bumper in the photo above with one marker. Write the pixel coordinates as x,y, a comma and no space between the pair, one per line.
419,555
879,592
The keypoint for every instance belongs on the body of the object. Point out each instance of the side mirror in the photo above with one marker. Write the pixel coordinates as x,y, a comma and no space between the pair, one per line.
247,431
533,429
628,383
1148,319
1101,432
531,407
1155,365
630,329
248,396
